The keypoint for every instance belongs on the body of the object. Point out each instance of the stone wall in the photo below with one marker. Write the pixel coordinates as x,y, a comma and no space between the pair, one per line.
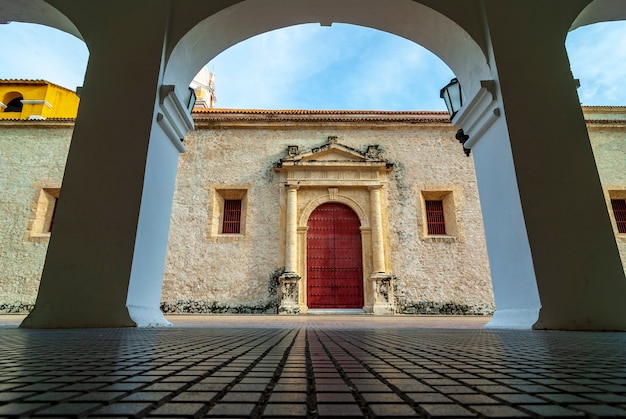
609,149
32,156
207,272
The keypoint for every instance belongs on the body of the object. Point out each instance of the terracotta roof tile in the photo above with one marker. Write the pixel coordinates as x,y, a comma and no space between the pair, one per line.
37,82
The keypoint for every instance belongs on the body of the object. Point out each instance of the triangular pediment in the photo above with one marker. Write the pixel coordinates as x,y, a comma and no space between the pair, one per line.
331,152
335,152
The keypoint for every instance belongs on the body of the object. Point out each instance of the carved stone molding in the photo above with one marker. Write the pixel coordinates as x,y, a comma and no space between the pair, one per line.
479,114
383,294
289,293
174,119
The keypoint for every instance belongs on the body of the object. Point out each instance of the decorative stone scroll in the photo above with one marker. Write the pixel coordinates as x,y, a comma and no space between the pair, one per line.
289,293
383,294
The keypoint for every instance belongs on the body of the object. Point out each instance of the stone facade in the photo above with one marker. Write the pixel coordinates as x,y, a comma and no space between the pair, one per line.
243,155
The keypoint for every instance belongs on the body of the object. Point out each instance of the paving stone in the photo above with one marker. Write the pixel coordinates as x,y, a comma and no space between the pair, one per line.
428,398
602,410
564,398
552,411
291,387
289,397
473,399
519,398
285,409
69,409
388,410
54,396
446,410
126,409
178,409
17,409
147,396
237,397
103,396
495,411
338,410
231,409
381,398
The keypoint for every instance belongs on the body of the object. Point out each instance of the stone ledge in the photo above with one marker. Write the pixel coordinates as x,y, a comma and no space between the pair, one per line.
205,307
444,308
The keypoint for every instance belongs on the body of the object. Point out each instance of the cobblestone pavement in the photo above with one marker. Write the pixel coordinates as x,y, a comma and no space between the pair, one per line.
310,370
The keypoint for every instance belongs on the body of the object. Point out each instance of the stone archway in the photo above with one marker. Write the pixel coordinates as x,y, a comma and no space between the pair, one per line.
406,18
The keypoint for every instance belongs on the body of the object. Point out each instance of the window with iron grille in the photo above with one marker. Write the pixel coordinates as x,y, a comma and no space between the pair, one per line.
619,211
54,211
231,220
436,224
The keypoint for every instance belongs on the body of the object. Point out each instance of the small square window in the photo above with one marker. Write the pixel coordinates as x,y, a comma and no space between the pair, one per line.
43,213
619,212
435,219
438,216
231,219
229,212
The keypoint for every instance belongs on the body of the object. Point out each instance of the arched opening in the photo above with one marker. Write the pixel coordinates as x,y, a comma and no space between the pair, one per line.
242,25
340,67
597,52
408,19
13,102
43,53
334,260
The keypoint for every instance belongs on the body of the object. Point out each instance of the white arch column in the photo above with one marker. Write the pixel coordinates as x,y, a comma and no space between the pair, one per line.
106,256
553,255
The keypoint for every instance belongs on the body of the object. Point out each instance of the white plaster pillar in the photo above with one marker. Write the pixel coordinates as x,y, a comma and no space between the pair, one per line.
542,143
106,254
291,239
378,244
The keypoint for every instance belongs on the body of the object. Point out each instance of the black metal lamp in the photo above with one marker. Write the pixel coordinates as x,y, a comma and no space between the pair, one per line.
451,94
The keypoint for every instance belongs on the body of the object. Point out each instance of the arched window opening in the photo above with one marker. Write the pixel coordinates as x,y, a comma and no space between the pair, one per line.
15,105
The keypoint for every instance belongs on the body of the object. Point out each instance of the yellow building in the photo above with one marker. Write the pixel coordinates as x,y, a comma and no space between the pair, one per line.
36,99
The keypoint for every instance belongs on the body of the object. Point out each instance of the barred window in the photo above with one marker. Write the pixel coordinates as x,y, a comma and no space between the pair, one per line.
436,224
619,211
231,220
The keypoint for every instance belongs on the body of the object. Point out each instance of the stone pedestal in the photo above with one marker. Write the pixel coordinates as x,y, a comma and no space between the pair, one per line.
383,294
289,293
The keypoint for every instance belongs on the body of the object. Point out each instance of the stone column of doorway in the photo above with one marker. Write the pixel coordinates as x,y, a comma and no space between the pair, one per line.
381,280
289,294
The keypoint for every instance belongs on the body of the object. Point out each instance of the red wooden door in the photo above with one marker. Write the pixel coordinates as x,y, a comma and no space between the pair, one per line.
334,261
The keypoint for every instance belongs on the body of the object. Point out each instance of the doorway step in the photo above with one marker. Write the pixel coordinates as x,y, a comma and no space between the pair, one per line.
335,311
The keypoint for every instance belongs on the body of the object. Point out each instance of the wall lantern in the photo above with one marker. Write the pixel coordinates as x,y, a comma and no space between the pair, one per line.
451,94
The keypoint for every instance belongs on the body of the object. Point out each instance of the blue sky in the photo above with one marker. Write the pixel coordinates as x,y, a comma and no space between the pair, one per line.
314,67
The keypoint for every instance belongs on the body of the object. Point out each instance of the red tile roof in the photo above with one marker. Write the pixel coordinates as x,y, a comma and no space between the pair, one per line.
33,82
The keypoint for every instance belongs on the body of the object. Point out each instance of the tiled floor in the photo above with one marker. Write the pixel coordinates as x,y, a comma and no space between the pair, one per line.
355,366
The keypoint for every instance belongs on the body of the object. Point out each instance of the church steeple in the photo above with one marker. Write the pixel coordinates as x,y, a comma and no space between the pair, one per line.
204,86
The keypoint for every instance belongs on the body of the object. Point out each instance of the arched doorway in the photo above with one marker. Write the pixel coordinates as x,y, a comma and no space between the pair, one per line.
334,259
